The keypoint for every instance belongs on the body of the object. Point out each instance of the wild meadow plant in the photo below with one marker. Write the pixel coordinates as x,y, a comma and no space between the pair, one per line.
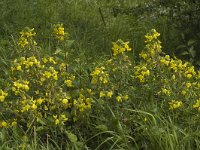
119,103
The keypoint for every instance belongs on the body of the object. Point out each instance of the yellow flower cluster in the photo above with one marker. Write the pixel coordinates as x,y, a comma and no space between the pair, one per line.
174,104
152,35
120,98
172,74
189,72
99,75
26,38
8,123
42,93
23,63
20,86
107,94
82,103
153,46
69,81
2,95
165,60
166,91
197,105
59,32
61,119
49,60
141,72
120,47
51,73
28,104
177,65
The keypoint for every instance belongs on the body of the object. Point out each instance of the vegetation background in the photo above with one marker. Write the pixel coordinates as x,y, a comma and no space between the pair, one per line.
93,25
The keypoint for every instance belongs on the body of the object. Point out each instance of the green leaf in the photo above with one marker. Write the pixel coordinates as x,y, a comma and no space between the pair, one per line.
102,127
18,132
69,43
72,137
2,137
184,53
180,47
191,42
40,128
192,51
58,50
41,121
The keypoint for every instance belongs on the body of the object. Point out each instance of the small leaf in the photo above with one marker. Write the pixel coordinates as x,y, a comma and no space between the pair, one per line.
191,42
58,50
41,121
40,128
72,137
184,53
192,51
102,127
18,132
183,36
69,43
2,137
79,145
180,47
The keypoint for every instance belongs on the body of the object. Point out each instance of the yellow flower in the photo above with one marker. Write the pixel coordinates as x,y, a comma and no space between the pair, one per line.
143,55
68,83
57,121
39,101
188,84
105,81
25,108
2,98
126,97
99,74
45,60
165,91
63,117
34,106
119,98
13,123
19,68
45,107
174,104
189,76
2,95
126,46
26,87
4,124
102,94
65,101
197,105
120,47
23,42
109,94
183,92
51,60
26,38
59,32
